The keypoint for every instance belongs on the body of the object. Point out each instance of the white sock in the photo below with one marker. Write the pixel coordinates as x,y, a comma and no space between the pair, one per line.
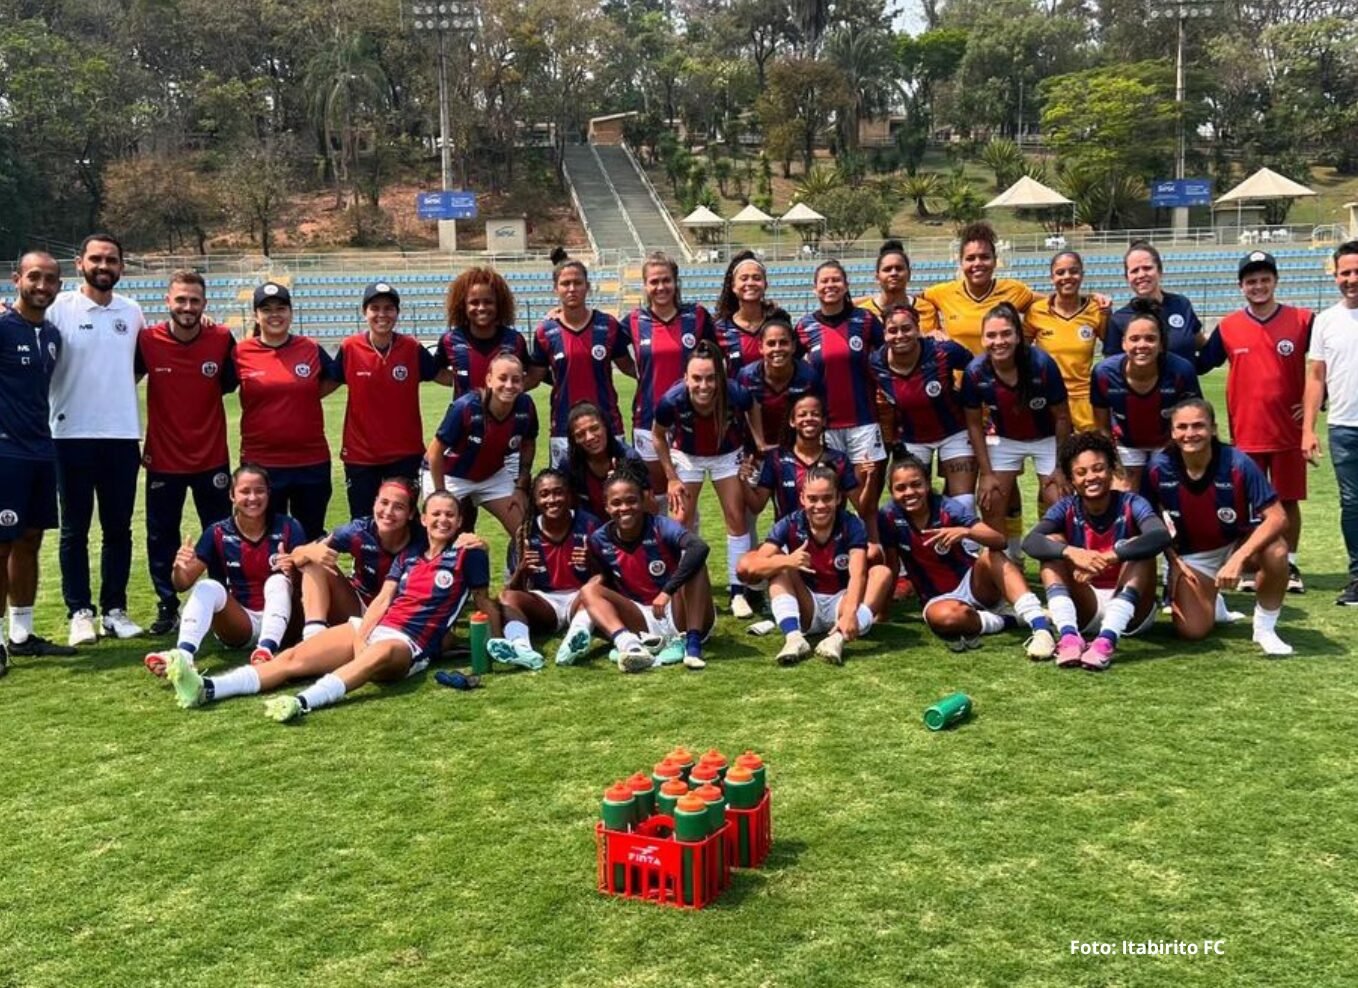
1118,613
736,546
240,681
517,631
1013,549
991,623
20,624
1223,613
206,598
325,691
277,611
864,618
626,641
311,629
580,620
1291,558
1264,619
785,608
1059,602
1028,608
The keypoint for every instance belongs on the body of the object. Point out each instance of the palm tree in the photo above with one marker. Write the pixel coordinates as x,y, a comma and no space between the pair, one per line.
1003,157
344,83
867,60
924,188
817,182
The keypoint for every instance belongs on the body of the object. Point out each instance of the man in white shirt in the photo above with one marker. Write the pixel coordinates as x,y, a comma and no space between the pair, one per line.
96,423
1332,367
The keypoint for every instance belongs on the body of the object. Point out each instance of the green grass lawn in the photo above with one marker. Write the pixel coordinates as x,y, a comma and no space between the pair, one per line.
419,836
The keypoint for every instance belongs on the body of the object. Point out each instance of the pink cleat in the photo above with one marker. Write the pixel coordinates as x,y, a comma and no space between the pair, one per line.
1068,651
1098,654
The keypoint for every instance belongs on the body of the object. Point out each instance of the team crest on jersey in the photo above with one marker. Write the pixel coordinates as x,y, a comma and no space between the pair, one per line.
515,442
274,557
209,368
656,567
1226,515
689,341
120,327
8,518
842,561
933,389
443,579
598,352
1086,332
52,351
400,372
855,343
1285,348
1176,321
302,370
220,480
1037,404
940,548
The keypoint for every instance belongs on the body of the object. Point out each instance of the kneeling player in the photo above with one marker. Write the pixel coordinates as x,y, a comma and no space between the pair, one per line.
549,563
1097,548
1226,521
654,582
246,596
816,562
397,637
962,594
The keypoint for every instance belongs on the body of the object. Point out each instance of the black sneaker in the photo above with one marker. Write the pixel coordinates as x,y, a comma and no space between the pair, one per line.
1349,598
1294,582
38,647
167,619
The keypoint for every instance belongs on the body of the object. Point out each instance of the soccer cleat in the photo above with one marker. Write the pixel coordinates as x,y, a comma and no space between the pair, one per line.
652,643
167,619
1272,645
514,653
794,649
1098,654
740,607
831,648
1068,651
1040,646
35,646
186,680
1349,597
670,653
283,708
82,629
119,625
573,647
694,662
1294,580
632,660
963,644
157,662
260,656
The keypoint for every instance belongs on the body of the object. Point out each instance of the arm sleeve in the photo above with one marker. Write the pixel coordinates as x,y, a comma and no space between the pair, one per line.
958,355
768,474
886,531
1038,544
1112,341
477,569
1153,540
440,354
229,378
740,397
336,369
622,341
1213,355
971,394
429,366
537,350
450,430
138,363
206,549
693,557
848,477
531,429
339,538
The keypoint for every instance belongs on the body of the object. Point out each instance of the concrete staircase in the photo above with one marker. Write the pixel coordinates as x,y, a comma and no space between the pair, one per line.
651,225
602,212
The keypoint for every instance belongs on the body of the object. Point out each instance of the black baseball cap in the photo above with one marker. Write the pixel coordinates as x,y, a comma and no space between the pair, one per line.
1256,260
272,291
377,289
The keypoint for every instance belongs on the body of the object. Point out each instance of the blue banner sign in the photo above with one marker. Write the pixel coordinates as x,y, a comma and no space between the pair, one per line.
446,205
1181,192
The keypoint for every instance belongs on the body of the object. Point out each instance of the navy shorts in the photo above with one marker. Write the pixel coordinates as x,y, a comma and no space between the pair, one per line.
28,496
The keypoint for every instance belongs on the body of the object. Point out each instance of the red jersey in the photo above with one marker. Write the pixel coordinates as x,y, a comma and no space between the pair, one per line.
185,421
469,357
661,349
382,414
1267,375
281,420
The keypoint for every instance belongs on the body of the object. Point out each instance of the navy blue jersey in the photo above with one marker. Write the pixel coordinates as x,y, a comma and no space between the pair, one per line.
1220,508
372,563
784,473
469,356
639,569
775,403
28,356
839,354
1142,420
1012,416
242,565
431,592
702,435
829,558
579,364
477,443
1180,319
558,573
932,570
926,404
1121,521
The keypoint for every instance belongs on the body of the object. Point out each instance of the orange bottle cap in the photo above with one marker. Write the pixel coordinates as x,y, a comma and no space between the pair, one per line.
750,760
618,792
708,793
640,783
739,774
668,768
691,804
714,756
674,787
705,771
479,617
681,755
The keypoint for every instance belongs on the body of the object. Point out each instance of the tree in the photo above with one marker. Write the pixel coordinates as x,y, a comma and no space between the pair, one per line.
962,204
1003,157
849,213
867,61
255,185
798,105
818,182
345,86
160,200
1108,120
923,188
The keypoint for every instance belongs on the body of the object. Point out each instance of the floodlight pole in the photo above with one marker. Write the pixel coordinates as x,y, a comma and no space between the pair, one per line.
1181,11
442,17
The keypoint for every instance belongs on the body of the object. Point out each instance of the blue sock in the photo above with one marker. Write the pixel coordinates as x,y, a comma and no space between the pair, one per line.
693,643
788,625
189,647
1010,621
268,643
1042,623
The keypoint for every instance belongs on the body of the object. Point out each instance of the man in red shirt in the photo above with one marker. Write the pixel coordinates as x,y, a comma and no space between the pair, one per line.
188,364
1265,344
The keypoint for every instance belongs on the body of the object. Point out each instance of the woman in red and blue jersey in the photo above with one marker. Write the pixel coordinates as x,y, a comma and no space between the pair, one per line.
576,350
775,380
700,430
483,449
592,454
664,332
743,310
838,341
1133,392
549,563
961,593
917,381
1097,548
652,582
1226,520
401,633
820,581
480,310
782,472
282,424
1020,390
246,595
383,370
373,542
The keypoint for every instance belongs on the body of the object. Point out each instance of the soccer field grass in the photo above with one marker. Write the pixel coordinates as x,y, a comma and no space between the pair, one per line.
419,836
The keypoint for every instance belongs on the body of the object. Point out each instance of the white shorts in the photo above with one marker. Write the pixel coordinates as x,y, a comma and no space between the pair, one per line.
495,487
644,443
1136,456
1104,595
692,469
954,447
256,622
962,593
560,601
558,450
1208,563
1007,455
860,443
418,663
664,627
824,611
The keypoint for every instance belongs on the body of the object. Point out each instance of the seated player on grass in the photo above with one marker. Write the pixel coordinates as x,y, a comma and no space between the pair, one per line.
962,595
374,543
549,563
399,635
246,596
1097,548
653,581
1226,520
816,562
592,453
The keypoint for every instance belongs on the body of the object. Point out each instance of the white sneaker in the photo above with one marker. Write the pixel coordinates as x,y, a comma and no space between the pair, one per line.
831,648
794,649
1271,643
694,662
119,625
82,629
740,607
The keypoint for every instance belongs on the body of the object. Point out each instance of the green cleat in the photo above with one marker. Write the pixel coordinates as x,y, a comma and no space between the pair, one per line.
514,653
186,680
573,647
671,653
282,708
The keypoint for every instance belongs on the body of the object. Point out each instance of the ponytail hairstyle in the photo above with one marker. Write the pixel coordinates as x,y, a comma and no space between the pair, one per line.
727,303
1146,247
659,259
707,350
1145,309
576,460
820,470
562,262
1023,359
892,247
530,517
251,468
498,357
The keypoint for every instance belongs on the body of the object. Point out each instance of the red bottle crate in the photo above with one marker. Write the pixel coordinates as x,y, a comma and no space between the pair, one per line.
648,863
758,824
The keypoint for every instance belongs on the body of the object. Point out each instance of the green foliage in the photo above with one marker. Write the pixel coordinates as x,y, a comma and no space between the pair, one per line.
796,107
849,213
819,181
868,65
1003,157
962,202
162,200
925,188
1105,199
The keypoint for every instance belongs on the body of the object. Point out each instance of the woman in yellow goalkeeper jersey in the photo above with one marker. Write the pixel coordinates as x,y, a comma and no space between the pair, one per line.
1068,326
957,308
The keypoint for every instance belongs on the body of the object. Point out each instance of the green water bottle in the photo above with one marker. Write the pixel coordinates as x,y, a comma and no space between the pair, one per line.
683,758
749,760
690,827
716,815
478,635
618,813
947,712
643,790
742,793
669,795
